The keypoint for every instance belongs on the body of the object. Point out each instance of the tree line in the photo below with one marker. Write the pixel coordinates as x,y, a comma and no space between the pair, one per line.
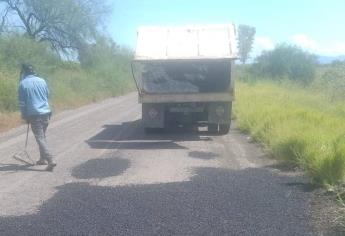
285,61
68,26
76,28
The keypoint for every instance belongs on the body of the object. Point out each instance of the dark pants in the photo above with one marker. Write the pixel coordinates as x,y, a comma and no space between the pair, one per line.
39,125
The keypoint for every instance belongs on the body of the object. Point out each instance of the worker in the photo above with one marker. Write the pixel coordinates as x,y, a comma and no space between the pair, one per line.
33,96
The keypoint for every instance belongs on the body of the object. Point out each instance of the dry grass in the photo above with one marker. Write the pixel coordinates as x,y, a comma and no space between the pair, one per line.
9,121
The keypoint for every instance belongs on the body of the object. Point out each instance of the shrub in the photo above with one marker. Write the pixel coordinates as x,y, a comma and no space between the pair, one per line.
16,49
8,89
107,74
286,61
333,81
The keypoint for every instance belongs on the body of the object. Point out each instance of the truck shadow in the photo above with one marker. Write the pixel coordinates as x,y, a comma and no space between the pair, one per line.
131,135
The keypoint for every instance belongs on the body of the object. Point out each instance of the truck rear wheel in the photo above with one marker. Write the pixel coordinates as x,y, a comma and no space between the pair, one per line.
224,128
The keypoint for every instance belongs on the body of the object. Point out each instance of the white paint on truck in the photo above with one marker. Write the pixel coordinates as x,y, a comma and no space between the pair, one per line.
186,42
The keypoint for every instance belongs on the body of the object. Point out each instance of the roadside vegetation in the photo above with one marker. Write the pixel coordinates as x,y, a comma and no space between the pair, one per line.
105,73
296,110
67,45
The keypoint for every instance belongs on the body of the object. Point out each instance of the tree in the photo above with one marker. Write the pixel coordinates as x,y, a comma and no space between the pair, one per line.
286,61
245,41
103,49
65,24
3,19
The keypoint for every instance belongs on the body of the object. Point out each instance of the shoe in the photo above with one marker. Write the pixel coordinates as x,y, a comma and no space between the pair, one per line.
41,162
50,166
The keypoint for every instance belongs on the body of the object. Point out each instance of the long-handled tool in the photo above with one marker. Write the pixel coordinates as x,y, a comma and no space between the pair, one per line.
23,156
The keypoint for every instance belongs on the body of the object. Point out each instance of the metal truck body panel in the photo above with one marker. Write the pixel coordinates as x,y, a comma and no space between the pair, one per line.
188,42
186,97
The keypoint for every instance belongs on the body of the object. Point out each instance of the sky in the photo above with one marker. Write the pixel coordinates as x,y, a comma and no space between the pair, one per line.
317,26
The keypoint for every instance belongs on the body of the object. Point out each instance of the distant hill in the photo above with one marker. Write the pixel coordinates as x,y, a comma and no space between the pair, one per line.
329,59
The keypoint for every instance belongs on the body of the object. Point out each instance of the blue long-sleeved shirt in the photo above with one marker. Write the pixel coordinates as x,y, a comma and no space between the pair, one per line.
33,96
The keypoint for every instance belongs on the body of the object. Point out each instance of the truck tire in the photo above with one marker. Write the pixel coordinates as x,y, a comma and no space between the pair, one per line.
224,128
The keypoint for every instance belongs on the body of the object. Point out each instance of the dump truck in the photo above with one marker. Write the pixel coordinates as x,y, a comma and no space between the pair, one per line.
184,76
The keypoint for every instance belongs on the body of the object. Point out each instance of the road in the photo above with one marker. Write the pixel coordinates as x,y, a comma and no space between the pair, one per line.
112,179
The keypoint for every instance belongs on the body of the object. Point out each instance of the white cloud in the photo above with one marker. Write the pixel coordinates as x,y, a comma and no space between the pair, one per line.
329,48
305,42
336,48
332,48
263,43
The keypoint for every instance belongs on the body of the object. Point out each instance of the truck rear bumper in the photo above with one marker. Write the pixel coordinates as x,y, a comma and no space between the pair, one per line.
186,97
158,115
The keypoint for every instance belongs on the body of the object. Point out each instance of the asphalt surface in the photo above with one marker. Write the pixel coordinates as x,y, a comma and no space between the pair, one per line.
112,179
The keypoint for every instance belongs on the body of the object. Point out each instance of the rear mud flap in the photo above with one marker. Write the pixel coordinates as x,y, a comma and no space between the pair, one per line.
219,113
153,115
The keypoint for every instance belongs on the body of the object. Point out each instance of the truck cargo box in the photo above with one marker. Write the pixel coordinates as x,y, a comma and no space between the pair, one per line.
184,75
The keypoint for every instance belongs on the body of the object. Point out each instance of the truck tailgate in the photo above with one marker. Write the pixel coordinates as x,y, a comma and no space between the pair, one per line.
187,97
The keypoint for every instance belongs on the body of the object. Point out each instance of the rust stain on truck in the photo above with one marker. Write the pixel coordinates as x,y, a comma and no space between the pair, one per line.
184,75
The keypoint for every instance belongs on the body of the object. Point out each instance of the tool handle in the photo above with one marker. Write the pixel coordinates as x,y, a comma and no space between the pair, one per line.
27,136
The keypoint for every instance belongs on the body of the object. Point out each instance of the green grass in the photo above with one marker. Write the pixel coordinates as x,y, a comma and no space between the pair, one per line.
70,83
300,127
72,87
